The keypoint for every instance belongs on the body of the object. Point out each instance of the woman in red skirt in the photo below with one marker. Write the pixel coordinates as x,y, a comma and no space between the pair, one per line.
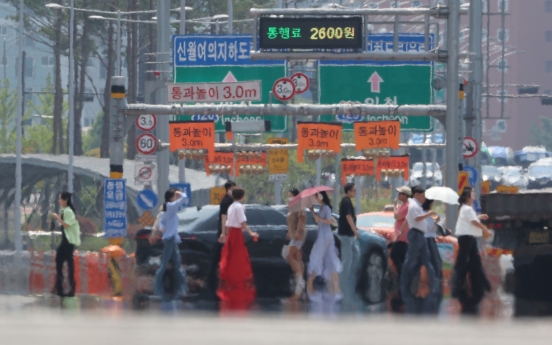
237,289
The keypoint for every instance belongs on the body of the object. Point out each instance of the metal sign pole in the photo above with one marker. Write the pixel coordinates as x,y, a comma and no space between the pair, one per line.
163,37
452,149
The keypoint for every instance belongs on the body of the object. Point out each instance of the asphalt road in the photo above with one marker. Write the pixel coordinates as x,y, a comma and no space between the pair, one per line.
22,321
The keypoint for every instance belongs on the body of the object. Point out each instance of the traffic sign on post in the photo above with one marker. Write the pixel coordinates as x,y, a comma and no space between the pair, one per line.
146,199
237,91
472,175
216,195
185,188
379,82
284,89
278,160
146,144
115,207
225,59
469,147
301,82
146,123
145,173
463,181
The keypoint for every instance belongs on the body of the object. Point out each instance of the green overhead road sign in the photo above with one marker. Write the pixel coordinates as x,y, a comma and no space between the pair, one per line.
373,84
209,59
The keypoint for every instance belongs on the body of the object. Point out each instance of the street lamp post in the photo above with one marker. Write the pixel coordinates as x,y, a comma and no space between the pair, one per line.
71,91
18,143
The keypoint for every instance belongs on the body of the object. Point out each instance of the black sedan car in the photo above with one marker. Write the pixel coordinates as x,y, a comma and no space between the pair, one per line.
272,274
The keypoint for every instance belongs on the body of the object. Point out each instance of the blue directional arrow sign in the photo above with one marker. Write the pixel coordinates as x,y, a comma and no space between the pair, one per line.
185,188
147,199
472,174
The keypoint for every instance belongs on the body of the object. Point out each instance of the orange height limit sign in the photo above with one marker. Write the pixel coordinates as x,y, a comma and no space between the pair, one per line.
318,136
377,135
193,135
356,167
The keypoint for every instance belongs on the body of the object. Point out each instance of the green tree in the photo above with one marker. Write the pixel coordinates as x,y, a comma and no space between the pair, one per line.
8,110
540,132
38,138
93,138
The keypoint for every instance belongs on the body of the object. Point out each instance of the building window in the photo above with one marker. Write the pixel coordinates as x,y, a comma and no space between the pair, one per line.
416,4
502,35
502,5
548,66
29,95
484,35
47,61
548,5
501,95
484,6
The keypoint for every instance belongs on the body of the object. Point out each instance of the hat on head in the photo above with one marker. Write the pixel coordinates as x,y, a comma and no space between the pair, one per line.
405,190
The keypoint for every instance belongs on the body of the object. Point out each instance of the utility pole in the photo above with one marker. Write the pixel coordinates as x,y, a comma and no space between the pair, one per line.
182,162
453,146
230,17
473,109
18,141
71,96
163,37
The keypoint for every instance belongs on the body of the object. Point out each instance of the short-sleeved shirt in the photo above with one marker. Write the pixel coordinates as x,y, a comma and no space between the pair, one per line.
236,215
402,212
224,205
464,224
346,208
414,211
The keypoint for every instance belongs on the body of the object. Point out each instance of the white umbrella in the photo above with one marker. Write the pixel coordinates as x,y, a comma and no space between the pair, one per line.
443,194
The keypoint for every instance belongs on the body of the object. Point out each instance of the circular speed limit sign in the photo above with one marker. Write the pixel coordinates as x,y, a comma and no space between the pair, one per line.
146,122
146,144
301,82
284,89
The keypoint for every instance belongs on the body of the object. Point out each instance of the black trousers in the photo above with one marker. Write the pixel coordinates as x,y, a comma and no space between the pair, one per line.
435,257
212,276
398,254
65,253
468,261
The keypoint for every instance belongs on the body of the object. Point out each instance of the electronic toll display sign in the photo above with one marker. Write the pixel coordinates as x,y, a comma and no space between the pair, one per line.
310,33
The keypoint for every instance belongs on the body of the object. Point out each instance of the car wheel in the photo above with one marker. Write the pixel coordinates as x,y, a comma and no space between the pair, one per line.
371,277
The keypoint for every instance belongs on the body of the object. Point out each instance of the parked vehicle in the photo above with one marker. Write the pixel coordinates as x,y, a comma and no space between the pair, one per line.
272,274
491,173
521,224
529,155
418,170
513,176
539,174
373,260
502,156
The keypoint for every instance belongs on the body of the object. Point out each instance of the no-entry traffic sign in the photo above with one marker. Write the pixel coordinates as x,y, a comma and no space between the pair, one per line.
284,89
146,144
147,122
469,147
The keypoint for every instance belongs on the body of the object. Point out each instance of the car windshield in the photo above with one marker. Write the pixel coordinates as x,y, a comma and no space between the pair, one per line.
207,218
376,221
420,166
540,169
490,170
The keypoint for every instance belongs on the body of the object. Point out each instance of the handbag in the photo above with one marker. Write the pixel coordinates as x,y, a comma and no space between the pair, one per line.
285,250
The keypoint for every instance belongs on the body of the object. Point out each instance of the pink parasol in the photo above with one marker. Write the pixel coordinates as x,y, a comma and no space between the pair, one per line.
306,198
